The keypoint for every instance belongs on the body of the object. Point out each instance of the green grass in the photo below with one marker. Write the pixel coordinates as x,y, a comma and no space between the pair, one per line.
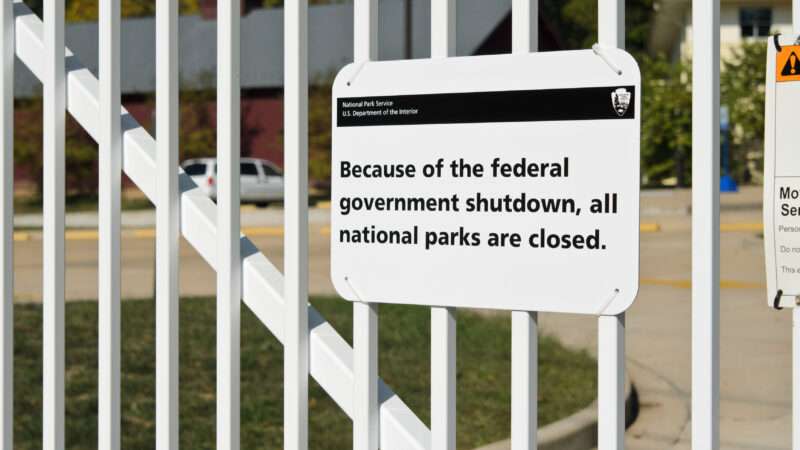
567,379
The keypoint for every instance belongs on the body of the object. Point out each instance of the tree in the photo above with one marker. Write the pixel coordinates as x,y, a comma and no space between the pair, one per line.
319,132
576,21
198,135
666,117
80,150
743,91
666,120
86,10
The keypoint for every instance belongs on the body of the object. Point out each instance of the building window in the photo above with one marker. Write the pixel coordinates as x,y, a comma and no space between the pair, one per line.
755,22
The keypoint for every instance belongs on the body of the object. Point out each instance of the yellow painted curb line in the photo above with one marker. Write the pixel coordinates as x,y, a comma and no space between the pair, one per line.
686,284
150,233
649,228
21,236
81,235
733,227
733,284
262,231
144,233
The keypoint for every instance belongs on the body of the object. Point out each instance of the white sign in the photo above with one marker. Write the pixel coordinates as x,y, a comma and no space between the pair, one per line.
782,173
507,182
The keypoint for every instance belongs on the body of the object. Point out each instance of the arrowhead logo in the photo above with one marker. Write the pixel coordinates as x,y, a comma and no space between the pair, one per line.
620,100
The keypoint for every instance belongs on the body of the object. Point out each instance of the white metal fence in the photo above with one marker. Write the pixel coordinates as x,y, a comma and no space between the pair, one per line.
280,301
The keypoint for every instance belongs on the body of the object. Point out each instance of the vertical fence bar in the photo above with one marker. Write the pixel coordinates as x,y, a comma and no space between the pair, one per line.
796,16
295,343
228,251
443,320
524,325
109,177
524,380
443,378
7,227
54,105
443,28
366,418
796,310
167,225
705,224
611,329
611,383
796,377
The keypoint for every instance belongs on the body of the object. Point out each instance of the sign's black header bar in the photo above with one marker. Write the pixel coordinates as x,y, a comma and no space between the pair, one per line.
596,103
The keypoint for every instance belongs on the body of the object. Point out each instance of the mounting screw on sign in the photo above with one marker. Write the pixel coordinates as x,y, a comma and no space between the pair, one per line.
787,64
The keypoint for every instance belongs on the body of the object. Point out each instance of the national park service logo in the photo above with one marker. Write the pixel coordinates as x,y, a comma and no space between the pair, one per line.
620,100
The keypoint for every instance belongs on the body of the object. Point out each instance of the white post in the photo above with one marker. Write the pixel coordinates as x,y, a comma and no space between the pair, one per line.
229,275
366,418
524,380
109,177
54,91
705,225
796,377
443,28
796,310
796,16
443,320
524,325
611,383
524,26
7,227
443,378
167,225
295,342
611,329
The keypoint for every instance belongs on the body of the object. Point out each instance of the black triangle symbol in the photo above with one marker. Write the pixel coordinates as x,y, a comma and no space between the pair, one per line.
789,69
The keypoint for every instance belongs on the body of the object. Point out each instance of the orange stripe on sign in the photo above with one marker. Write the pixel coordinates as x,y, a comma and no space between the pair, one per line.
787,65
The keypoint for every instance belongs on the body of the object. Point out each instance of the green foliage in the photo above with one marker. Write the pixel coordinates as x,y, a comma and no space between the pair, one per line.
80,150
576,22
86,10
743,91
198,135
197,138
319,132
666,119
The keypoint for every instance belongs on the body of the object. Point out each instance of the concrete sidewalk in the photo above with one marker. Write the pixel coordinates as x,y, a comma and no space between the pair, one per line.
755,340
